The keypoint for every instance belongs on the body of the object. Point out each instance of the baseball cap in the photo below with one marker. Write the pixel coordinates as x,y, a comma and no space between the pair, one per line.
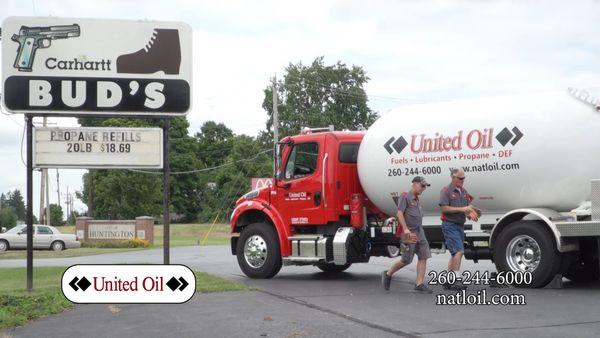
420,179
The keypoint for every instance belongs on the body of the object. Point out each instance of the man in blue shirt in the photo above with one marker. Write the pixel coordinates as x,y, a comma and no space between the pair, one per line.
455,202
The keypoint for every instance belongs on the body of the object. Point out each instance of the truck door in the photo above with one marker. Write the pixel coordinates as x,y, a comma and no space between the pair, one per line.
300,192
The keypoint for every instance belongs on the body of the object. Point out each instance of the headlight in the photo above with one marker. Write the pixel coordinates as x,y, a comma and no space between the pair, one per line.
251,195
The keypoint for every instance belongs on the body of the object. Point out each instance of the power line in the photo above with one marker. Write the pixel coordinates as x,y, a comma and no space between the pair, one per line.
358,95
204,169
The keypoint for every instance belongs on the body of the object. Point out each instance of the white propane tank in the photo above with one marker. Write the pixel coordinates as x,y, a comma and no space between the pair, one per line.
536,150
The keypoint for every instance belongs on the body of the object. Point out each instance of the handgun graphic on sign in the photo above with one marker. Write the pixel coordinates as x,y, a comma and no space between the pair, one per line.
32,38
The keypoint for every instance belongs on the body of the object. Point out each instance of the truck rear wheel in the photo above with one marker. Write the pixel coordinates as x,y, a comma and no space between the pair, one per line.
258,252
528,246
332,268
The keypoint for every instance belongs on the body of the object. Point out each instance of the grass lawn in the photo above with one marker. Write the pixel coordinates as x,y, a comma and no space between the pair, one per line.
181,235
193,234
17,306
18,254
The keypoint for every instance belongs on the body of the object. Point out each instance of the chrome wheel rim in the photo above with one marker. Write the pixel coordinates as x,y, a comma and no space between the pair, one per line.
523,253
255,251
57,246
2,246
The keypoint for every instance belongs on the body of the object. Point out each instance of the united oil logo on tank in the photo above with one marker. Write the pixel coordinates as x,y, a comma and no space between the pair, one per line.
474,139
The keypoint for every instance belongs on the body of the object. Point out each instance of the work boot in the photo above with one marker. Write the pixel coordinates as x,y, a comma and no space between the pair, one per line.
385,280
423,288
162,52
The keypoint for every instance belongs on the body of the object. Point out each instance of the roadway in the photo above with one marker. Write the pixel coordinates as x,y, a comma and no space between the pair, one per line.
302,301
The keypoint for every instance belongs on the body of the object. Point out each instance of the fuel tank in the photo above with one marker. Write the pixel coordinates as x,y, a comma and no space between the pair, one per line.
535,150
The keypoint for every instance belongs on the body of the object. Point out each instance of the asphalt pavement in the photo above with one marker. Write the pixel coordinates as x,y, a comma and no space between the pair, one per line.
302,301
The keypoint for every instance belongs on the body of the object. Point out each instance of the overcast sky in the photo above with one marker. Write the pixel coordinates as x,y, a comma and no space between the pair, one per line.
413,51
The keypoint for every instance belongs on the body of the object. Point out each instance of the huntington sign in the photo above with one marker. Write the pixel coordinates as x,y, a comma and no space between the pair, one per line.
113,231
88,229
63,66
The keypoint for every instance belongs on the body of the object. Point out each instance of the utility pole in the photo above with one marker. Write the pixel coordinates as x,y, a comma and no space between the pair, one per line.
57,187
90,200
68,203
43,187
43,197
71,209
275,126
275,113
47,197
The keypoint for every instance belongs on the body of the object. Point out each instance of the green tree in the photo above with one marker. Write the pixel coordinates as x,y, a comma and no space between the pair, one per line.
56,215
222,187
215,142
3,201
72,218
8,217
185,194
15,200
121,194
124,194
320,95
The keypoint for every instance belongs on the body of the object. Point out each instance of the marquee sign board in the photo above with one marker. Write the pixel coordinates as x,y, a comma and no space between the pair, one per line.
97,148
62,66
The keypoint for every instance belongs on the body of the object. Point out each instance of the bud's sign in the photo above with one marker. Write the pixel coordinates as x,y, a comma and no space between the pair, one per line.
78,66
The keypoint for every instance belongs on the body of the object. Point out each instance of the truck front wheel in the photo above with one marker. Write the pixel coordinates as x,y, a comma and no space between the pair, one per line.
528,247
258,252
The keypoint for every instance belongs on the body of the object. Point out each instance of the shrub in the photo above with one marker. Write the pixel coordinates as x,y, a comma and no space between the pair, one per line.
130,243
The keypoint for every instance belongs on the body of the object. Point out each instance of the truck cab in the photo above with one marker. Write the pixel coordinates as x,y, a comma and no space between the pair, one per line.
315,212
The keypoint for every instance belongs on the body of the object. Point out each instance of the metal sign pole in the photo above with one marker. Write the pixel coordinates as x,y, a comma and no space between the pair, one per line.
166,192
29,218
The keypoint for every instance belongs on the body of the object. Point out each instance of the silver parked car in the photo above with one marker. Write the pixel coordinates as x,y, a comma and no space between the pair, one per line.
44,237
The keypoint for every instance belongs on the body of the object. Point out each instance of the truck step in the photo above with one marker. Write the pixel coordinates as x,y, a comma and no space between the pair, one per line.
304,237
312,246
294,260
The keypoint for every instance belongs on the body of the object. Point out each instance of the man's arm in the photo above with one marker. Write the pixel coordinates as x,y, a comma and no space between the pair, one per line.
448,209
407,236
402,222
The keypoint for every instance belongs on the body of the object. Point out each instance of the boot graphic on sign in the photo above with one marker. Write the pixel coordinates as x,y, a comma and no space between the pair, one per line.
162,52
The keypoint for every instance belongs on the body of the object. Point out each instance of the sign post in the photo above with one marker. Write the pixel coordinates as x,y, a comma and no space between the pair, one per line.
166,192
29,126
73,67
